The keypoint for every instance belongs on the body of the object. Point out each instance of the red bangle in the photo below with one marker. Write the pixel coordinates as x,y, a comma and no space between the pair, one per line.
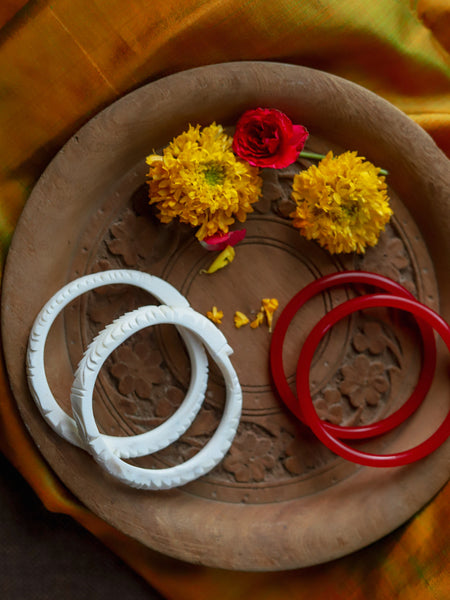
304,364
279,334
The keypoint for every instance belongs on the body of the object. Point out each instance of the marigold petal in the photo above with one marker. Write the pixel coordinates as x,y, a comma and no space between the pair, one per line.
257,320
221,261
240,319
269,305
215,315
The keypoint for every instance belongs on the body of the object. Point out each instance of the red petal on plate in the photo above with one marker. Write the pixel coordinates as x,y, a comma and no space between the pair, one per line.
220,242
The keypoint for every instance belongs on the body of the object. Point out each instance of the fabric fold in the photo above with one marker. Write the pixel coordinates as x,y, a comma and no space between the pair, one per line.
61,62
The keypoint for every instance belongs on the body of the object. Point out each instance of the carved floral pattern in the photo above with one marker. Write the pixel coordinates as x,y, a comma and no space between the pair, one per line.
371,338
364,381
148,413
137,368
104,309
249,457
277,186
389,258
166,405
302,457
357,392
130,239
329,406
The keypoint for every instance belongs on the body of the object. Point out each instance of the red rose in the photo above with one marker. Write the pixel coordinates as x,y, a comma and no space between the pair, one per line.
266,137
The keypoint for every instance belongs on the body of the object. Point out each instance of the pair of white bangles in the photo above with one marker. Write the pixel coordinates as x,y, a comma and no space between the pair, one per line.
82,430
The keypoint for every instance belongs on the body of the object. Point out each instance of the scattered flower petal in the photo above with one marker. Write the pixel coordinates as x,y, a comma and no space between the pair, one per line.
269,305
224,259
240,319
215,315
258,320
220,242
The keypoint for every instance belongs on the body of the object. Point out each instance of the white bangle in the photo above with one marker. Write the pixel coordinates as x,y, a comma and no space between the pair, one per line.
64,424
103,449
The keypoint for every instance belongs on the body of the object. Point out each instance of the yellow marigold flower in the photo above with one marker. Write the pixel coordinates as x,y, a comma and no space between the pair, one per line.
269,305
342,203
222,260
257,320
215,315
240,319
200,181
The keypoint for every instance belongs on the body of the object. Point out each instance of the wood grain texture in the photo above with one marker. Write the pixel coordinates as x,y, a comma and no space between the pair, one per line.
279,500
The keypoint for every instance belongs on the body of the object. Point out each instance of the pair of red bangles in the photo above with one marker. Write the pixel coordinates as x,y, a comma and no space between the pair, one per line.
302,406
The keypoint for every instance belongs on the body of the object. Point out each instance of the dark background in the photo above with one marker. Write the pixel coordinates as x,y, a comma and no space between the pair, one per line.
47,556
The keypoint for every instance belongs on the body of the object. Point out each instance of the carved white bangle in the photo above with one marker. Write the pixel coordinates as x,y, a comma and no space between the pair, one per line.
63,423
103,448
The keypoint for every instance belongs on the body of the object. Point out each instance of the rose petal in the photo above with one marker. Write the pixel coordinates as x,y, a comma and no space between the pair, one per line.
220,242
299,136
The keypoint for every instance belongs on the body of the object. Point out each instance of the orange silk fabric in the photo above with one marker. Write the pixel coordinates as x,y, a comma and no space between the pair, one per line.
63,61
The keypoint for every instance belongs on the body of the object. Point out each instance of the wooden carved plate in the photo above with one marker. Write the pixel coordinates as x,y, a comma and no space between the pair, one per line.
279,499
